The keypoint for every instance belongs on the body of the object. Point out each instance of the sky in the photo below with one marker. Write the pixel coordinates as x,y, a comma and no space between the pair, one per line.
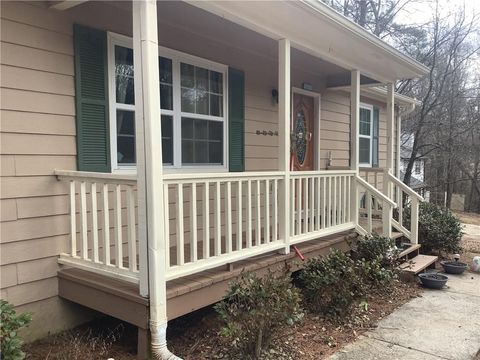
420,11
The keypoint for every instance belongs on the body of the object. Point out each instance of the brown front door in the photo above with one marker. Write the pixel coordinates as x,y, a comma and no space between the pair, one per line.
302,133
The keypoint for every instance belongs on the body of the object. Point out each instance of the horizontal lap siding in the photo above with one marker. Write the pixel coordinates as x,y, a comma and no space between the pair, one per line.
37,135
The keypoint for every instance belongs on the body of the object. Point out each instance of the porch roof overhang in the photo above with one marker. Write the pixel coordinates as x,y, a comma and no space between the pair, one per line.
314,28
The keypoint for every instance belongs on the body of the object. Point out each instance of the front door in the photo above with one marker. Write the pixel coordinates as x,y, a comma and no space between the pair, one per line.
302,133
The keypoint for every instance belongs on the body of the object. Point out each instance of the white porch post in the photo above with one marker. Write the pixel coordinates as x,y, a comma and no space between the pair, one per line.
149,166
354,124
387,185
284,138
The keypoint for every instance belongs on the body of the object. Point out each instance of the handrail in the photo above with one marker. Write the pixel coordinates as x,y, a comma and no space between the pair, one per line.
220,175
322,172
404,187
77,175
375,191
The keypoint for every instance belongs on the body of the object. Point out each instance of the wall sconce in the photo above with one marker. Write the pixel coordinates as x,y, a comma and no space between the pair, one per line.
275,96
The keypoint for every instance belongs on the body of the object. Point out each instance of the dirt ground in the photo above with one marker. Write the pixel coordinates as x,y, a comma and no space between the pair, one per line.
196,336
471,238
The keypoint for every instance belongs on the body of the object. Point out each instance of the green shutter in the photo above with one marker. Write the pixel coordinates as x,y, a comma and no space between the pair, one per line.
236,119
91,99
376,119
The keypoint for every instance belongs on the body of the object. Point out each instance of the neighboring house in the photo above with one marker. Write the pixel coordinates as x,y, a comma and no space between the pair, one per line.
268,113
417,180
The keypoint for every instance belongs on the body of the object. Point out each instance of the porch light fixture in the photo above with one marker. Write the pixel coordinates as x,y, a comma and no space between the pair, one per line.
275,96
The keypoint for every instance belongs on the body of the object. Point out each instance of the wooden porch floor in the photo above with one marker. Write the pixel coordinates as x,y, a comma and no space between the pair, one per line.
121,299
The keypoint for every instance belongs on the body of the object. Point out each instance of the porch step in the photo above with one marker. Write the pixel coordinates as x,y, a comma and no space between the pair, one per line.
417,264
409,250
396,235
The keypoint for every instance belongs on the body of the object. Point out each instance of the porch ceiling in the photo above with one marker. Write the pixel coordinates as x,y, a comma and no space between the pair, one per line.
316,29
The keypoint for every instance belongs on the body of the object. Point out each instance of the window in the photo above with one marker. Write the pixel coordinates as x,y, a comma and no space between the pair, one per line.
418,167
365,135
192,101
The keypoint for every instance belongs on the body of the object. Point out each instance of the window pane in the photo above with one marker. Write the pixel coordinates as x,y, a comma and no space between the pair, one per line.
187,75
215,130
166,97
216,105
215,152
124,75
167,139
202,141
201,78
364,154
202,102
165,70
365,121
200,129
216,82
188,100
187,152
187,128
125,137
201,152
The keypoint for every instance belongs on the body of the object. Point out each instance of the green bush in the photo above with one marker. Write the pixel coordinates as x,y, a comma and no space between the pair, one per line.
376,248
374,276
330,284
10,323
438,229
255,308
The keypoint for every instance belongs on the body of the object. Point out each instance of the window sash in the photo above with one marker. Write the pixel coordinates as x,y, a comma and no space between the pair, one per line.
177,58
369,137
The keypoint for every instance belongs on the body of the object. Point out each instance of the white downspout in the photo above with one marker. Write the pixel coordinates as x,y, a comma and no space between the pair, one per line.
150,168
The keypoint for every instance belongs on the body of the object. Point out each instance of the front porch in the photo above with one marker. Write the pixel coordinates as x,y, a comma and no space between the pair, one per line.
166,229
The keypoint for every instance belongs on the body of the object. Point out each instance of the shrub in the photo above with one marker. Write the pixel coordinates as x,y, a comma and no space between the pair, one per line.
254,308
438,229
376,248
374,276
10,323
330,284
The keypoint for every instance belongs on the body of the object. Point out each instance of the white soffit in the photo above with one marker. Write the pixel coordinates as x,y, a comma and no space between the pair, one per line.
320,31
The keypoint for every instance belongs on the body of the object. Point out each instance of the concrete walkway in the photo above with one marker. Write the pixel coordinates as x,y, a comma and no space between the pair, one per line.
442,324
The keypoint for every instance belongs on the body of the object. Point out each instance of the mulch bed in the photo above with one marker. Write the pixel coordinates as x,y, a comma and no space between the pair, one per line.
196,336
314,338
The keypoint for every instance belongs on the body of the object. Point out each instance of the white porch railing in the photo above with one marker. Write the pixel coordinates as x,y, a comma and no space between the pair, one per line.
399,193
102,223
215,219
320,203
218,218
405,195
368,199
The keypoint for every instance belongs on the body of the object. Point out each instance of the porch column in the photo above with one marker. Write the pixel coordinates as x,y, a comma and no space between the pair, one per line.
387,211
284,138
149,167
390,124
354,124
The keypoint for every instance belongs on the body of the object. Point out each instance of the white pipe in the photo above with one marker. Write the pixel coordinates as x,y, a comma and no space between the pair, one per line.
150,169
159,342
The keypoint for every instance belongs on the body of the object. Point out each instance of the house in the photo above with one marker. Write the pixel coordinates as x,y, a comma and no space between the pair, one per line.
277,120
417,180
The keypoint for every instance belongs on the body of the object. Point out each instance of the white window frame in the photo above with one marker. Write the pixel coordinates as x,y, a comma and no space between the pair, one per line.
370,137
177,57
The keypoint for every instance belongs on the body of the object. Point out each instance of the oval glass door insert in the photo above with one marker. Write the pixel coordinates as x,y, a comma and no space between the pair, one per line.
300,137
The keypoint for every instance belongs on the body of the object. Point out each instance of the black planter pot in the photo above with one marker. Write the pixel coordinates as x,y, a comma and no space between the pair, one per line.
454,267
433,280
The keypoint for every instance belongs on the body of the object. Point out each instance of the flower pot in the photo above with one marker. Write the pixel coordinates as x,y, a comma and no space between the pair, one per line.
454,267
433,280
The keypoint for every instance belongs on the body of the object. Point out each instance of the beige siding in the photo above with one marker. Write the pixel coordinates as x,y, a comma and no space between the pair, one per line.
37,136
37,132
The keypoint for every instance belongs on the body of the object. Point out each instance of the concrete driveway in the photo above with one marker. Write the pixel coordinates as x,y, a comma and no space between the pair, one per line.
442,324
